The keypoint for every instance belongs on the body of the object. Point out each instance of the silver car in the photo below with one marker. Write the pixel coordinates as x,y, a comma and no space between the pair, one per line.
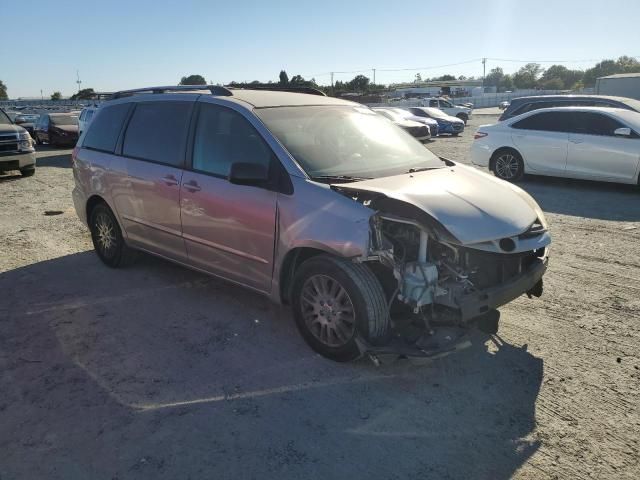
378,245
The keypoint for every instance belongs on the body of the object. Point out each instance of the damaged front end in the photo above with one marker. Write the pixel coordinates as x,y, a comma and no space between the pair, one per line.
439,288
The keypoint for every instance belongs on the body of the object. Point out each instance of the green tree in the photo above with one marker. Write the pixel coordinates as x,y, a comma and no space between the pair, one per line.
56,96
284,78
507,83
3,91
495,77
558,77
527,76
418,78
193,80
359,83
445,78
84,94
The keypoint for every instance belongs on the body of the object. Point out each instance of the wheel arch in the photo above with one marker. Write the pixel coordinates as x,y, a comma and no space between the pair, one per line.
291,262
95,200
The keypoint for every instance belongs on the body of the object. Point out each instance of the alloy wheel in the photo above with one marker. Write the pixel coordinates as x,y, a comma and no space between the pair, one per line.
105,234
507,166
327,310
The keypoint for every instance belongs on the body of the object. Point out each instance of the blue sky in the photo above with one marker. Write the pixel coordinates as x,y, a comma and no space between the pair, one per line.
125,44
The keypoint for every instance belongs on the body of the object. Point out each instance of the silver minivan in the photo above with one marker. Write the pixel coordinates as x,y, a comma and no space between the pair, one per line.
377,244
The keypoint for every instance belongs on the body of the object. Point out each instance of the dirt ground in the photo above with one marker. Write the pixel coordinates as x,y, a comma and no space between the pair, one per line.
157,372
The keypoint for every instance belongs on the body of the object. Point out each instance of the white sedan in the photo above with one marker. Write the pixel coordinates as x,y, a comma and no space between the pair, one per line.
591,143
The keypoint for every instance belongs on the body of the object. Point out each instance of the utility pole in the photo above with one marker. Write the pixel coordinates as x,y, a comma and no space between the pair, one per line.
41,95
78,81
374,75
484,70
331,79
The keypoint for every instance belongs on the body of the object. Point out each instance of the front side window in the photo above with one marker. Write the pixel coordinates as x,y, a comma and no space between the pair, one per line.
446,104
157,132
346,140
103,133
223,137
433,103
546,121
589,123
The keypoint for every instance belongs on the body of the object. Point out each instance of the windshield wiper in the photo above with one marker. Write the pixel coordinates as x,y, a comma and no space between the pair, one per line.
422,169
339,178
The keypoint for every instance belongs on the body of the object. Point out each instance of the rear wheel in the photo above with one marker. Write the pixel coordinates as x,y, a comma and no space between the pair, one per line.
336,301
507,165
27,172
107,238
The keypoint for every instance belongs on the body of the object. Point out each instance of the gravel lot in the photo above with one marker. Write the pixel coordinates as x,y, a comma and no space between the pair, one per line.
158,372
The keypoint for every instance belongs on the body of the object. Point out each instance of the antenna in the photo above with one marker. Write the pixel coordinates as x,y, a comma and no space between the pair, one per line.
78,81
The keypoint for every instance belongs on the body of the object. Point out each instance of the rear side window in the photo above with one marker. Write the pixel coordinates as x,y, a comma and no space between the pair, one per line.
157,132
546,121
223,137
103,132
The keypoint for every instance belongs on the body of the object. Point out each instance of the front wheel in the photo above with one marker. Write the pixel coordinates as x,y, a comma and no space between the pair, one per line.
107,238
336,301
463,116
27,172
507,165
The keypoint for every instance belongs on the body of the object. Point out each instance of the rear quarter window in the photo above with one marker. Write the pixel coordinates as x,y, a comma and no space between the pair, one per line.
104,130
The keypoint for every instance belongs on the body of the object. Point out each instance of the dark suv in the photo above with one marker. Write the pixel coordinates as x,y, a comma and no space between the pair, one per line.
522,105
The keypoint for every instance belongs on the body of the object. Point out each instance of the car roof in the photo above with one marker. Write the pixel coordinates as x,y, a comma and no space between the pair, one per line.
257,98
269,98
542,98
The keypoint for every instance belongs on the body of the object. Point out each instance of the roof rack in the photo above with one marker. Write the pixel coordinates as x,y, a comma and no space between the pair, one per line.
214,89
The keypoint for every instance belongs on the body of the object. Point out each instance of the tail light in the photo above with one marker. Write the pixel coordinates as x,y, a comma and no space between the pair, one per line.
479,135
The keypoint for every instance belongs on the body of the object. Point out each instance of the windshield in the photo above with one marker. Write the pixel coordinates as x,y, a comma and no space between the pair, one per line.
346,140
4,118
64,119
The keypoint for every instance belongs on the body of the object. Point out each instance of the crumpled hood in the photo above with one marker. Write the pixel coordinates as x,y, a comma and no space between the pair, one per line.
473,206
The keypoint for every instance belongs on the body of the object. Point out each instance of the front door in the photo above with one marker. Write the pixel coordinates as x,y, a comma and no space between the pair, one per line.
228,229
596,153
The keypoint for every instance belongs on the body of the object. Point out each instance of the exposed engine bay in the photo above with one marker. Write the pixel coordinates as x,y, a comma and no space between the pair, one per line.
435,282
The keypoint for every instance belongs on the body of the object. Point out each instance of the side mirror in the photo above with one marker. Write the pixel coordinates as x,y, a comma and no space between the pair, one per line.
622,132
252,174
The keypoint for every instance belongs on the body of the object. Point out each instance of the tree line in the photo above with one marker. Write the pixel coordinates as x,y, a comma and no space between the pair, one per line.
559,77
531,75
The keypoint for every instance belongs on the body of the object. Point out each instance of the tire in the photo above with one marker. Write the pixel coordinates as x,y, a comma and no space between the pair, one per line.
28,172
463,117
507,164
107,238
38,141
455,134
335,302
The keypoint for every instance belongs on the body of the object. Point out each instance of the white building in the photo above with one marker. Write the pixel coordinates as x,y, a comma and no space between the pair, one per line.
621,85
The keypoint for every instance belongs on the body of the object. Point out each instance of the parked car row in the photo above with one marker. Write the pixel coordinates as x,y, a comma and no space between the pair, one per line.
437,121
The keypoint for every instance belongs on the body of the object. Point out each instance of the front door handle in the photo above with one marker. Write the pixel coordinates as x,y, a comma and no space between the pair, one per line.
192,186
170,180
576,140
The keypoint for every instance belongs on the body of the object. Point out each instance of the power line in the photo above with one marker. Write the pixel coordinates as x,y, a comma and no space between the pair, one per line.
544,61
428,68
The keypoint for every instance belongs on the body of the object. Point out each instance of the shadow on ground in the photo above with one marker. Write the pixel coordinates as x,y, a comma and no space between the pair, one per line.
159,372
62,160
599,200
